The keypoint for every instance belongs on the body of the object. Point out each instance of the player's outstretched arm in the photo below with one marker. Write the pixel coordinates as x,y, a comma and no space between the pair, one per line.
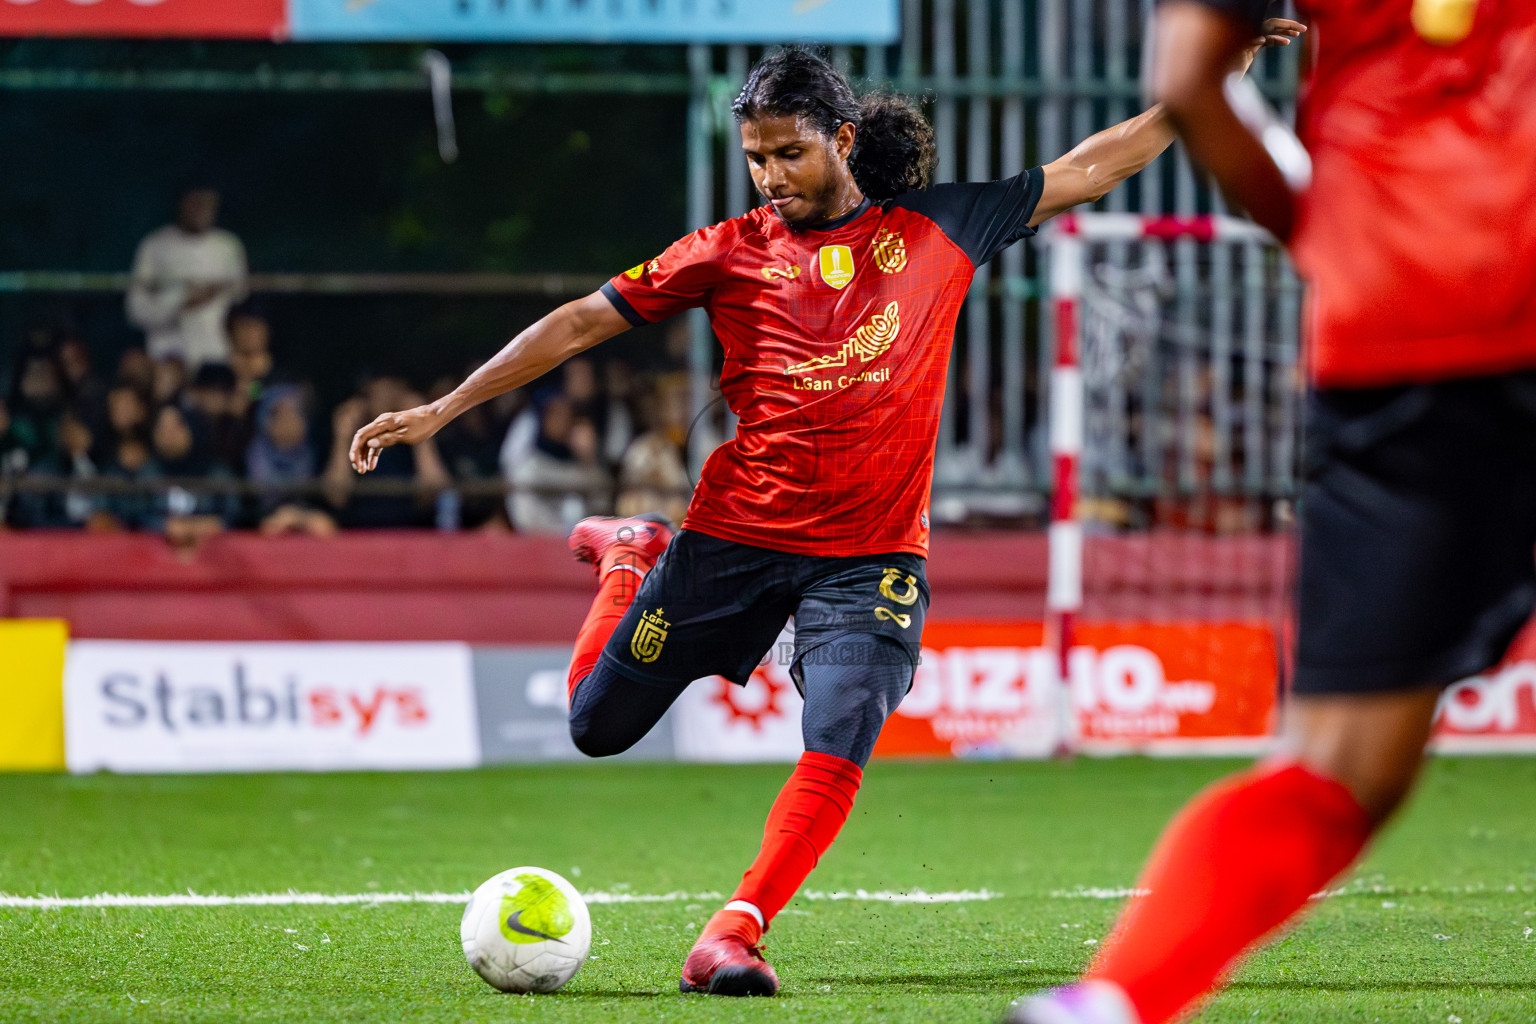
1224,123
1100,162
574,327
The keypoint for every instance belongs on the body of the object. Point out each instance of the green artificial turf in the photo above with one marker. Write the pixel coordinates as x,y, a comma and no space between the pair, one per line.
1438,927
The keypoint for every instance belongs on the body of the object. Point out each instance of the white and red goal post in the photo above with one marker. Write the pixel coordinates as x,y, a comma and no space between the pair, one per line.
1141,306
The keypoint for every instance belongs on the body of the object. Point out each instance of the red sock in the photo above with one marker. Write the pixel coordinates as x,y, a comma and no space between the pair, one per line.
734,922
806,817
619,579
1236,864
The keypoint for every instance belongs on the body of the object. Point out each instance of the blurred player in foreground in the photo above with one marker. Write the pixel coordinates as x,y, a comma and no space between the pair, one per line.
835,302
1418,510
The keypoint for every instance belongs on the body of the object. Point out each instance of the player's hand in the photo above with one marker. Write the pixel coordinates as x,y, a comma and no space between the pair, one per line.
393,428
1275,32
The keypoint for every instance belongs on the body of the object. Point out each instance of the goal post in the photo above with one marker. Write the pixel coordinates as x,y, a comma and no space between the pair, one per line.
1173,408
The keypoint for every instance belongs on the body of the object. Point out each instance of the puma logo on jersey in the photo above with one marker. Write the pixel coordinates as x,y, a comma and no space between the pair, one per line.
787,273
868,342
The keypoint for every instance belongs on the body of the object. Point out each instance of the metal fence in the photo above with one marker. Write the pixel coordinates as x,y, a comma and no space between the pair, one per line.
1008,84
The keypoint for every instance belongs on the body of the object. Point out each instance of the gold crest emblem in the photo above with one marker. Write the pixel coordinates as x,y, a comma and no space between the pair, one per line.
836,265
890,251
888,592
650,634
869,341
634,272
1444,22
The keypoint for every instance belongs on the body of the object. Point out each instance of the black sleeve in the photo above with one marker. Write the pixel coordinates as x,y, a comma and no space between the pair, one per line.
983,218
1250,12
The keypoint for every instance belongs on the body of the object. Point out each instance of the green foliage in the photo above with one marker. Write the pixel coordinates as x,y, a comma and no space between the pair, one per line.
1435,927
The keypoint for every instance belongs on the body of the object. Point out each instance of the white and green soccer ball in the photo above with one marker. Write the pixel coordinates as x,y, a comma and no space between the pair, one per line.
526,930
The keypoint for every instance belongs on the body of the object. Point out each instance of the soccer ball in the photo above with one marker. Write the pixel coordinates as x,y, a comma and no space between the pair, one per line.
526,930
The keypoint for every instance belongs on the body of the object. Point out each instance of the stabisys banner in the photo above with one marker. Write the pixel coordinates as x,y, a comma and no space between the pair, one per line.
201,19
147,706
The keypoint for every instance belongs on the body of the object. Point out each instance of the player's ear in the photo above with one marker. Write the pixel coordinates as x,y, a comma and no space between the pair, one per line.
842,140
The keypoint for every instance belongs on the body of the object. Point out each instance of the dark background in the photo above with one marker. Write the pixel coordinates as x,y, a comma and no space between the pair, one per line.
338,180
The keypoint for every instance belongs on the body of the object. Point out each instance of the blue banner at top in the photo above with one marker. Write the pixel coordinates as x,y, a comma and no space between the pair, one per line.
598,21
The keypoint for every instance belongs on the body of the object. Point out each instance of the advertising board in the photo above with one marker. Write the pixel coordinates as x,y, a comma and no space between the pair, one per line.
148,706
199,19
610,21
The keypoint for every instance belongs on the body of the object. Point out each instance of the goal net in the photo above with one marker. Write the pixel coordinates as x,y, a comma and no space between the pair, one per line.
1175,415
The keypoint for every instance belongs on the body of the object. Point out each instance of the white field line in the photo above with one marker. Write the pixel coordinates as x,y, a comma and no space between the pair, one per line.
288,899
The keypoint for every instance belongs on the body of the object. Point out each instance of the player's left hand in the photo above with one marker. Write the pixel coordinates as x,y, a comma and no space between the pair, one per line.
1275,32
408,427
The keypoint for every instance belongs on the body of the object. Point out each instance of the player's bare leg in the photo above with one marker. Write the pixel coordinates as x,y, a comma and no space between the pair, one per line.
1242,859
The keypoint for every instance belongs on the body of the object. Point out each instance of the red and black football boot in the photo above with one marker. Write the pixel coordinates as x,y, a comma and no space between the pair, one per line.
647,536
725,965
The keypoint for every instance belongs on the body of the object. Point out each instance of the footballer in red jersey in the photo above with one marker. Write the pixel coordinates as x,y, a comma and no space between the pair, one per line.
835,303
1412,212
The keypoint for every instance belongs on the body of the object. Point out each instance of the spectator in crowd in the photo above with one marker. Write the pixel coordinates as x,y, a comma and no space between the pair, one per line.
186,276
209,403
127,417
562,480
128,460
187,517
137,371
167,380
653,474
38,399
280,455
77,507
250,343
418,464
88,391
619,392
471,448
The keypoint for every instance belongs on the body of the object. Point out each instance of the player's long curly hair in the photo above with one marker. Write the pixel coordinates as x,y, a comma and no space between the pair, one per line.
893,149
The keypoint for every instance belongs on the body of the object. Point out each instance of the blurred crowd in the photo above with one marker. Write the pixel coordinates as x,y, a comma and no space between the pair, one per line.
201,430
241,444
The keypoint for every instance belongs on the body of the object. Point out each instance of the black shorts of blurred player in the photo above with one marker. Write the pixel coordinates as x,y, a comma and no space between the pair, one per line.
716,607
1418,533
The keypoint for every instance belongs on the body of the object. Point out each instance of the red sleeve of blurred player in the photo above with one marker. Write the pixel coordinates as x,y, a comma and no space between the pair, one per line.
682,277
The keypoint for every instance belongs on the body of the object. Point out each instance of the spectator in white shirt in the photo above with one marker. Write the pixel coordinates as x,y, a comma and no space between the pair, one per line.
186,276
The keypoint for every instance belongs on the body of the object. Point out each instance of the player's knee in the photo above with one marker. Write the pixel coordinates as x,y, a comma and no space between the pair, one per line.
596,742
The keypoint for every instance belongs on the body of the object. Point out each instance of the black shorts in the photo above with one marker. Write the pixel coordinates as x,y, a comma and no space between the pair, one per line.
715,607
1418,533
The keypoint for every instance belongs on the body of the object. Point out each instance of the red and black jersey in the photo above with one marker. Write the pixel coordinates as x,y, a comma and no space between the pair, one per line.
837,342
1418,234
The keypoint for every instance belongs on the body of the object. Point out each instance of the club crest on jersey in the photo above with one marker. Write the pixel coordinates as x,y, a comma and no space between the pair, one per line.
869,341
890,251
650,634
888,590
836,265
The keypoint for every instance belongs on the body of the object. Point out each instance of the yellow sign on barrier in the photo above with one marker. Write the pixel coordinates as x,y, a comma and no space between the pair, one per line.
32,694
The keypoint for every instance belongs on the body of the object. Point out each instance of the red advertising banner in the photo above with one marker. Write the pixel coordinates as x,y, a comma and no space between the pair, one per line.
202,19
1496,711
992,689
